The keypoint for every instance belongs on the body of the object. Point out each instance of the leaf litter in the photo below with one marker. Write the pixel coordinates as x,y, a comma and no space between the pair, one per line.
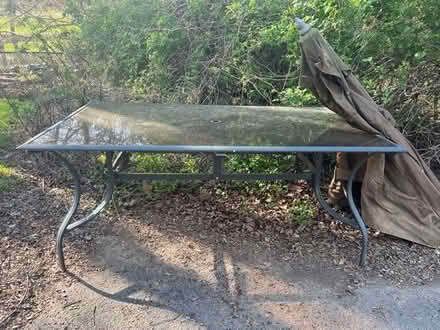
227,213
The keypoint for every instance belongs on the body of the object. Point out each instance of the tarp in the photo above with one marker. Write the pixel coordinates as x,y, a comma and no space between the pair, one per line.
400,193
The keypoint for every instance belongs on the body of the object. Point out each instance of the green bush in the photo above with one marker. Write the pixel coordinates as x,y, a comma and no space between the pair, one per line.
259,163
152,163
246,52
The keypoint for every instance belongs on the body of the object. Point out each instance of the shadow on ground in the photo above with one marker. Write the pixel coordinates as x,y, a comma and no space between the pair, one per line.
155,275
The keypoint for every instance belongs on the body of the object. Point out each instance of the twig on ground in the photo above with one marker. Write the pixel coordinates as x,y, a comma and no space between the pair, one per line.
71,304
8,317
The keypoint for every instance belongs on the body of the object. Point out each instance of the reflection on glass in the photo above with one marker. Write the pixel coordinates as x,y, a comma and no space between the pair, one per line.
141,124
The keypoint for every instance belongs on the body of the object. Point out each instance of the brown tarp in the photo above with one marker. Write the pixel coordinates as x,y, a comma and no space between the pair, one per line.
400,193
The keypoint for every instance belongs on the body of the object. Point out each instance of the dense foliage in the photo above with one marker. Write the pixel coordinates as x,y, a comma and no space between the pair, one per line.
246,51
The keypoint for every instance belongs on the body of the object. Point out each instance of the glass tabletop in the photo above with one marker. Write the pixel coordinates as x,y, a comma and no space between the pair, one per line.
205,128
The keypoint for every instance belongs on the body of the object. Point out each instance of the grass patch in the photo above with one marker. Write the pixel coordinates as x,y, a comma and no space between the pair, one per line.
9,47
25,25
4,119
51,26
28,46
20,28
8,178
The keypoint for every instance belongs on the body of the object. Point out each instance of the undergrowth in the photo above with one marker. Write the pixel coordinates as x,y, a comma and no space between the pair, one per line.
8,177
4,119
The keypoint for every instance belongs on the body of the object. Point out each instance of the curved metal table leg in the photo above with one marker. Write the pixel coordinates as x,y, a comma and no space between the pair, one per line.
316,185
359,221
357,216
75,203
65,226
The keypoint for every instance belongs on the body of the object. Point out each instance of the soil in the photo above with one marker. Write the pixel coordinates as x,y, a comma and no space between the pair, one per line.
212,256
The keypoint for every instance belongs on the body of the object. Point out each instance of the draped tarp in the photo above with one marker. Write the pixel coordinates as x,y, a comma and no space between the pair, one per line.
400,193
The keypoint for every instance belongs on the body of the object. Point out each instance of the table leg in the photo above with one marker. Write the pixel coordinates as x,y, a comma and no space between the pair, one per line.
75,203
316,186
357,216
65,226
121,161
219,166
317,159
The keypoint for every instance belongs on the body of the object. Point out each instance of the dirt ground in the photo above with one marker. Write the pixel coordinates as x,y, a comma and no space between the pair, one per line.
197,258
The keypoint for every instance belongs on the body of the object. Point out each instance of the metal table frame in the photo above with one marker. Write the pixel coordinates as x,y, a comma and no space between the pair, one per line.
117,154
114,174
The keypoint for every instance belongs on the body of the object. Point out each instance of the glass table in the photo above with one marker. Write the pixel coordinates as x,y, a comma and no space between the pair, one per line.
121,129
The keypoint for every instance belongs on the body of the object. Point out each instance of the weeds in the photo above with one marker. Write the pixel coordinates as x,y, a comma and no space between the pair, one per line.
302,212
4,119
8,178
